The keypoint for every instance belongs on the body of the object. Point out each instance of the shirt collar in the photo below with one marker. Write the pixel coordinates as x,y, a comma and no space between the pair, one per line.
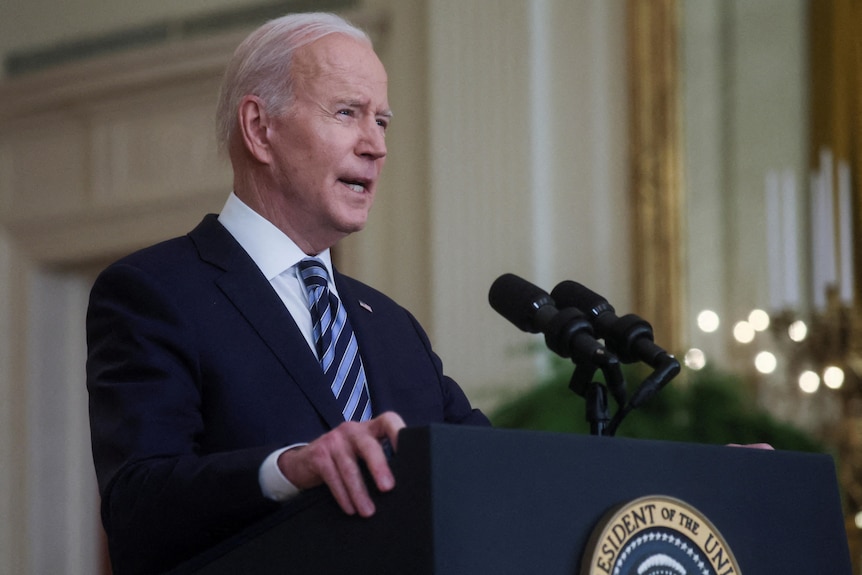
270,248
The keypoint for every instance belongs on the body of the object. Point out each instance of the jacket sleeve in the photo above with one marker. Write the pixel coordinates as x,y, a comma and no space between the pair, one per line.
163,498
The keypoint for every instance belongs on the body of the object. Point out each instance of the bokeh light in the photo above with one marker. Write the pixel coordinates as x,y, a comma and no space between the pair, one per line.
765,362
833,377
695,359
797,331
809,381
759,320
743,332
708,321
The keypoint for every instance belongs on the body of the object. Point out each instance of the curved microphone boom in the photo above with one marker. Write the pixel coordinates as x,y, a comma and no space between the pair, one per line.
630,337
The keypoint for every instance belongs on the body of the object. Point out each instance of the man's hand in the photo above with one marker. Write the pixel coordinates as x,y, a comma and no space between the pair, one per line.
333,459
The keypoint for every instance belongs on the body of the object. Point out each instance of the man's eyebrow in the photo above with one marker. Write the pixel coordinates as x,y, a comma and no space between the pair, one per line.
356,103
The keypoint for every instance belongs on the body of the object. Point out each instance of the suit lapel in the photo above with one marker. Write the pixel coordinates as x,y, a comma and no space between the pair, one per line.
365,323
248,290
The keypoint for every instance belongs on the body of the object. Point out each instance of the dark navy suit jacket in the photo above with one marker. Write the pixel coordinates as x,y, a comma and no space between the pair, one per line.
196,372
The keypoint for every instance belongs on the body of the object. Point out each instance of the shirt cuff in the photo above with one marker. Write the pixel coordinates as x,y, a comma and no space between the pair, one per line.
273,483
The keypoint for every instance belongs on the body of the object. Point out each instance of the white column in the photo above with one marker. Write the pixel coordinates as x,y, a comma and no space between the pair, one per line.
63,502
15,269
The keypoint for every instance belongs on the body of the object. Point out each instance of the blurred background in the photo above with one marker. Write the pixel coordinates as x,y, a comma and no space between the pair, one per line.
697,162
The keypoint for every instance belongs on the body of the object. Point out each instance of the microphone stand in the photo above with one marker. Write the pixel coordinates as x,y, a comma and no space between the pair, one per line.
597,408
595,393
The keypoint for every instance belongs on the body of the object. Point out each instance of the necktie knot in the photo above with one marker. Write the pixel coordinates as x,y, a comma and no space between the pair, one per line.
313,273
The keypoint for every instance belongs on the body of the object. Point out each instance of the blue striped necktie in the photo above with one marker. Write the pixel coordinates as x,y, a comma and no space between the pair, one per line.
336,344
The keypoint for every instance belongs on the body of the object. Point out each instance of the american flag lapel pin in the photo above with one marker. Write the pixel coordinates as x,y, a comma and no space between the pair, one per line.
365,306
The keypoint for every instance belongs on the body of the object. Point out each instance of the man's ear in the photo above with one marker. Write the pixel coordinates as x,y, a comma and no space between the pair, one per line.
254,128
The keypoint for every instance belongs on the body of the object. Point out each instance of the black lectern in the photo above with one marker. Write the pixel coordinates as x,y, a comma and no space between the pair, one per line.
477,500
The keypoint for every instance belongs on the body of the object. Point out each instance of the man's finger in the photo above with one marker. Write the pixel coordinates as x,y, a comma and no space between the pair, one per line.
388,425
370,450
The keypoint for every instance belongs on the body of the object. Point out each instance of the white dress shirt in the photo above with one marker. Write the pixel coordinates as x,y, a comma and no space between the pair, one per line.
276,255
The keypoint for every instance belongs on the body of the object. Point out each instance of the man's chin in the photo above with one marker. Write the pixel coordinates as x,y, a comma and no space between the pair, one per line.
351,227
355,221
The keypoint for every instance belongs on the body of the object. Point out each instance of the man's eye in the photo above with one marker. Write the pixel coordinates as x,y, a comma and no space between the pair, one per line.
346,112
383,124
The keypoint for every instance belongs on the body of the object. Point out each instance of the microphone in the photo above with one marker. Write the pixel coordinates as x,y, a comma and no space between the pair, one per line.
630,337
567,332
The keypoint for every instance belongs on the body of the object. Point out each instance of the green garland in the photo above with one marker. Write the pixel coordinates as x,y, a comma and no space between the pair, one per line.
699,407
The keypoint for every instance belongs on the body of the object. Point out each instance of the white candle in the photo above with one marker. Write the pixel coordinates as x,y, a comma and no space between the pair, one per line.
845,215
827,226
790,236
818,265
775,267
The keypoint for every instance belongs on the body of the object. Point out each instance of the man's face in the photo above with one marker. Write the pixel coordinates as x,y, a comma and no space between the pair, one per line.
329,146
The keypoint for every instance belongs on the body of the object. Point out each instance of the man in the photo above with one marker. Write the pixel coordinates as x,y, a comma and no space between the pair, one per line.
210,399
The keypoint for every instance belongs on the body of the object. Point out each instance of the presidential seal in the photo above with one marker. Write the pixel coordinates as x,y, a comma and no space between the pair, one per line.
657,535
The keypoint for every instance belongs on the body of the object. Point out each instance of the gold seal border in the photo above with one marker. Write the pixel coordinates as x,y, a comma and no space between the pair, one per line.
624,522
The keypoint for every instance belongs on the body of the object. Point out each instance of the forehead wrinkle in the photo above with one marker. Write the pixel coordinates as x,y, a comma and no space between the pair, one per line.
313,71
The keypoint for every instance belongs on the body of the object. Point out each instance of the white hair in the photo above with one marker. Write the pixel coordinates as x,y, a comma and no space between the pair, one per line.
262,64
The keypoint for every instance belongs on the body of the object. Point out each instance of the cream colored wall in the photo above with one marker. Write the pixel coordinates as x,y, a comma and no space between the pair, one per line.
527,170
507,153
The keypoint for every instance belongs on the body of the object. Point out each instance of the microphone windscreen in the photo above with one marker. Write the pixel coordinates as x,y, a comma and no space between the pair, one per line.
572,294
518,300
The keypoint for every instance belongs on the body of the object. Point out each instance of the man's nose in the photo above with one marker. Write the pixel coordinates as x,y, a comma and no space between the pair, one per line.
373,140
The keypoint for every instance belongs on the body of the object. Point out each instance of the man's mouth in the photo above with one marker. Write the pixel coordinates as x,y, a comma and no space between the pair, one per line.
355,185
